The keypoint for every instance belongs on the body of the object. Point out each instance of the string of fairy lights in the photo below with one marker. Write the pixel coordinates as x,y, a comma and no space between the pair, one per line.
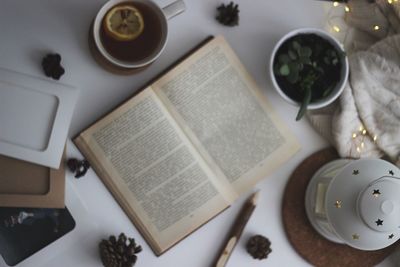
337,25
336,17
358,140
346,8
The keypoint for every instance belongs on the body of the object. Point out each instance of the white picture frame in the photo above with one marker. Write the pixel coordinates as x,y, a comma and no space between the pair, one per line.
35,115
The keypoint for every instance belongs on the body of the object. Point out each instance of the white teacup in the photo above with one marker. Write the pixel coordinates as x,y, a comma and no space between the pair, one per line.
163,15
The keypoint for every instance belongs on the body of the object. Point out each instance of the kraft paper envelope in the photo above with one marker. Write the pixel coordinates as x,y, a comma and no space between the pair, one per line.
28,185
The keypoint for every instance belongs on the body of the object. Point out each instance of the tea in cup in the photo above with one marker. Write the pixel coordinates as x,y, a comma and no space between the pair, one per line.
133,33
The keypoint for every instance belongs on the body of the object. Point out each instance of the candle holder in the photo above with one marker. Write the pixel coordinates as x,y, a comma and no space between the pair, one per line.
356,202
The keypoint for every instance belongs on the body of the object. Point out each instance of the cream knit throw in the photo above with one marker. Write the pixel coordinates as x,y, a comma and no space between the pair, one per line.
365,121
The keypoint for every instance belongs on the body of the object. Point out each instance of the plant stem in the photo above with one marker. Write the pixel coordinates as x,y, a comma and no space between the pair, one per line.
304,104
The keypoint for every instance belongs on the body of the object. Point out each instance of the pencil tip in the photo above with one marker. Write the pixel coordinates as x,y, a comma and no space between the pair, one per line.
255,197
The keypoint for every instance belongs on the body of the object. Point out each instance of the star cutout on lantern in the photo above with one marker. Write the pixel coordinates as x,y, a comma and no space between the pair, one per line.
379,222
338,204
391,172
391,236
355,237
355,172
376,193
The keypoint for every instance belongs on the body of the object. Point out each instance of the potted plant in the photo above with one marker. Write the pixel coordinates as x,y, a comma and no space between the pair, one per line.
309,68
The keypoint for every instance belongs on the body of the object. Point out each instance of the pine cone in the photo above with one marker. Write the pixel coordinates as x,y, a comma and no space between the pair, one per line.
51,65
79,167
259,247
228,14
119,253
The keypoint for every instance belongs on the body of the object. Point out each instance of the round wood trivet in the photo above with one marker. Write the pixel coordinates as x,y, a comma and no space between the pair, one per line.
305,240
103,62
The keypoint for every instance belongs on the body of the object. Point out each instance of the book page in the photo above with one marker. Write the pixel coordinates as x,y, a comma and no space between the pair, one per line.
226,116
158,176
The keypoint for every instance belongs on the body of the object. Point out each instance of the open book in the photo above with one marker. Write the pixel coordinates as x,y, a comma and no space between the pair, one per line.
184,148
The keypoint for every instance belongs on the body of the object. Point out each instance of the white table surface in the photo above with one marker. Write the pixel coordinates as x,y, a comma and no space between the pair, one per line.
30,29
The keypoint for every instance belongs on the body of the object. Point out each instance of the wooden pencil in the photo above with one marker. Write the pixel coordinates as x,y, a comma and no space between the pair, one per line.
236,230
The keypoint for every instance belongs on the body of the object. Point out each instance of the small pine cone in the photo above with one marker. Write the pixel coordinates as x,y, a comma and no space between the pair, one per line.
73,164
228,14
78,167
119,252
51,65
259,247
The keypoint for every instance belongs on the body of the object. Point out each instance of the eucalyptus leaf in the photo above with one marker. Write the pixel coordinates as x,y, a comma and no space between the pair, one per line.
342,54
293,76
292,55
327,91
296,45
284,70
294,66
305,60
305,51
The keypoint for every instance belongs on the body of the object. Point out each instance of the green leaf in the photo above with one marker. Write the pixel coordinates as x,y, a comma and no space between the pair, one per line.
305,60
292,55
296,45
304,104
284,70
293,76
327,91
284,59
305,51
342,54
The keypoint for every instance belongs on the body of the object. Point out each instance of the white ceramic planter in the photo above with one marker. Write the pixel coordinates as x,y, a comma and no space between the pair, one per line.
343,76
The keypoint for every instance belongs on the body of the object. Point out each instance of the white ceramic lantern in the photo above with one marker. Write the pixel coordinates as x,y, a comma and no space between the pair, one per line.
356,202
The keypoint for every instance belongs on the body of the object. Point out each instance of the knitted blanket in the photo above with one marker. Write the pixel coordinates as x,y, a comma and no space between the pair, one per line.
365,120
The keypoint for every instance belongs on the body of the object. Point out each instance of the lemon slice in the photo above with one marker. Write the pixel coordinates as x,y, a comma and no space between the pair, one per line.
124,23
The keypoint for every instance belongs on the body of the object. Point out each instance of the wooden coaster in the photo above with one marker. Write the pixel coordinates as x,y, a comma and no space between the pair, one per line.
107,65
305,240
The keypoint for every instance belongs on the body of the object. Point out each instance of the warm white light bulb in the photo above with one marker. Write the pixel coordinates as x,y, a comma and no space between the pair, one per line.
335,4
376,28
347,9
336,28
